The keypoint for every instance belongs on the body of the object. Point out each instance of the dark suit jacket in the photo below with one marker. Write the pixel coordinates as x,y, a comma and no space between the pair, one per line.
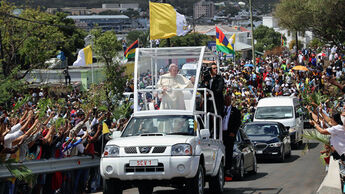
217,89
234,121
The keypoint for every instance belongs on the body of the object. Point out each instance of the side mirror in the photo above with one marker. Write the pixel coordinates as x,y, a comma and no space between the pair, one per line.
205,133
116,134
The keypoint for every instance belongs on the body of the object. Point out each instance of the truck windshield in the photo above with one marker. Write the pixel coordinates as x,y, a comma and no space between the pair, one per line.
274,112
160,125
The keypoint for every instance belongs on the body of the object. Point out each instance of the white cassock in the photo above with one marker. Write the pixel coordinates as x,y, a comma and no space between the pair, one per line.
173,99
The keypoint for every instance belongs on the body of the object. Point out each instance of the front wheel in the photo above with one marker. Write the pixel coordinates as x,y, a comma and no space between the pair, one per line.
112,187
145,189
255,166
217,182
241,170
197,184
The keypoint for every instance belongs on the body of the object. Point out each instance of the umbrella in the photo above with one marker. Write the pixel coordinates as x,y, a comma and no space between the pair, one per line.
300,68
248,65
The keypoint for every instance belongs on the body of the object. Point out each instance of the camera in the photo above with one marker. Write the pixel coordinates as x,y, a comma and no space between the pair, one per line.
205,72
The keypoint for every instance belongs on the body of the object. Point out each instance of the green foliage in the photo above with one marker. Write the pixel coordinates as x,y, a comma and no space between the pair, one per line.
322,17
59,122
107,47
42,106
123,111
292,43
315,43
266,38
142,36
22,102
191,39
315,135
28,43
20,172
8,88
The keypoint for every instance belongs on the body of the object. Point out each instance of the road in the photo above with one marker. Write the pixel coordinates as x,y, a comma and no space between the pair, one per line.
301,173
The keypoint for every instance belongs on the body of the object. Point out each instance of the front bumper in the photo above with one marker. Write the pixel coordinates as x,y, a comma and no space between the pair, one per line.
269,152
168,167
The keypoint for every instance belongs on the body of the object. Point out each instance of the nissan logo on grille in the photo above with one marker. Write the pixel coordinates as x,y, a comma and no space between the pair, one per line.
144,150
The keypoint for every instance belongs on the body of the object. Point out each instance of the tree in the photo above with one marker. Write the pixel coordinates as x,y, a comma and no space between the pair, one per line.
107,47
266,38
191,39
32,37
142,36
328,23
293,15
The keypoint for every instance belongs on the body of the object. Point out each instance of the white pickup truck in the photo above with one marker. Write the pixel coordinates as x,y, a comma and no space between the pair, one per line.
176,148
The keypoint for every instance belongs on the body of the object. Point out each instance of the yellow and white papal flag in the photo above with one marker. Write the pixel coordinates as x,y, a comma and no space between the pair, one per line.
84,57
166,22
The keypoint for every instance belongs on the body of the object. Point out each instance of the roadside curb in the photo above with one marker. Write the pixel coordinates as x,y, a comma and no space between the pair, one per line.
331,183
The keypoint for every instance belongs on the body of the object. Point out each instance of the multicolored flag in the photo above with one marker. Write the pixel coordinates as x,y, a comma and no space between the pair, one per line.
130,52
282,40
222,43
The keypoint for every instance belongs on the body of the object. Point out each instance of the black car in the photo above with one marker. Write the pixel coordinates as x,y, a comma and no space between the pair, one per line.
244,159
271,139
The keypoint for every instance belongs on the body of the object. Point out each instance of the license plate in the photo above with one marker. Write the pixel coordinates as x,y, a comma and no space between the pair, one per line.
259,151
143,163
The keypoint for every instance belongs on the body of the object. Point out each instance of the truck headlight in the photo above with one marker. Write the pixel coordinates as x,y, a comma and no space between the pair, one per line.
111,151
277,144
182,149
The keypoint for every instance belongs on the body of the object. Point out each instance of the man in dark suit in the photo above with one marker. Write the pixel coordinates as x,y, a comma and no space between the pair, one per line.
231,124
216,84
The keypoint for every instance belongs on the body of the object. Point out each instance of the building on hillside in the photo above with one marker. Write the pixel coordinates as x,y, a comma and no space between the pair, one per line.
105,7
203,9
122,6
117,23
272,22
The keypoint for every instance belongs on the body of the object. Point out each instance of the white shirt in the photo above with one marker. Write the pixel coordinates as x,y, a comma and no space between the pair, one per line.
338,138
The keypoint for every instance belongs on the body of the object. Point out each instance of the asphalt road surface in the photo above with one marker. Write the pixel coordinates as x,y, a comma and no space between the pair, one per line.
302,173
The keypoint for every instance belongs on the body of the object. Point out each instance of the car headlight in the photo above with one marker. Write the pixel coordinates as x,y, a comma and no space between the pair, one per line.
277,144
182,149
291,130
111,151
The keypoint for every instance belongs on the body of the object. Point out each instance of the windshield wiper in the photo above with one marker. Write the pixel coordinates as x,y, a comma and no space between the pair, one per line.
179,133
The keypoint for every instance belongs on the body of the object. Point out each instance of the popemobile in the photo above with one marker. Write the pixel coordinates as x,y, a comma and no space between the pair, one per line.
172,139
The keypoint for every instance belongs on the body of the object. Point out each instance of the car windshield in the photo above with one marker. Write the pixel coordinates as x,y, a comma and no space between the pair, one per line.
261,130
160,125
274,112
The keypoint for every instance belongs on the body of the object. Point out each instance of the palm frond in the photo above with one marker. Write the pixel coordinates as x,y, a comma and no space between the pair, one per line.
314,135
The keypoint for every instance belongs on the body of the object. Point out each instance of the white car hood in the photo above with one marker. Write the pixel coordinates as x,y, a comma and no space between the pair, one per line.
149,140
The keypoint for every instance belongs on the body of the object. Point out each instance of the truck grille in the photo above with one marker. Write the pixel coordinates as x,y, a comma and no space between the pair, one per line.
145,150
130,150
159,168
260,146
159,149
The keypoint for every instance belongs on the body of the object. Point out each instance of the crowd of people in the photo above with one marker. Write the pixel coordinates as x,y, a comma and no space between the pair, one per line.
62,130
66,130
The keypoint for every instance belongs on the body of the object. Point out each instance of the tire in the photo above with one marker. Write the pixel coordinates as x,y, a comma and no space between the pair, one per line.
282,155
241,172
255,166
217,182
112,187
289,153
145,189
197,184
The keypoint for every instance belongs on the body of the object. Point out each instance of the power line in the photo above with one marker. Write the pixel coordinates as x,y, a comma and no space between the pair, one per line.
33,21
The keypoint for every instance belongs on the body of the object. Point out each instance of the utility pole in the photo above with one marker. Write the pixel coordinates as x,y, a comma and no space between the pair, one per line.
252,31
